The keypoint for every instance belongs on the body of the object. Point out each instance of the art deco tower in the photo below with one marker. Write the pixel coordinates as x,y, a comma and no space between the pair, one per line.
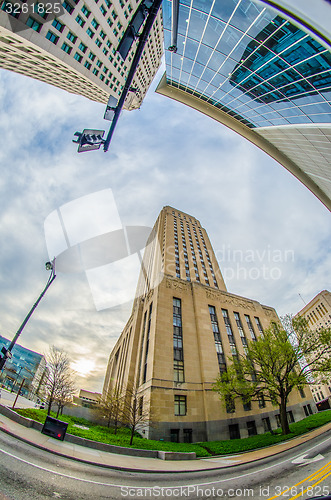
183,329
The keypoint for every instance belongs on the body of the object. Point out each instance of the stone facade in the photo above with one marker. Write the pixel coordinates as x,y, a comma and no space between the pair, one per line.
183,329
318,314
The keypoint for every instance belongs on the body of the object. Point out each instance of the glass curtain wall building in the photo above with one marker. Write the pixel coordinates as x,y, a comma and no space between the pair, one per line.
259,72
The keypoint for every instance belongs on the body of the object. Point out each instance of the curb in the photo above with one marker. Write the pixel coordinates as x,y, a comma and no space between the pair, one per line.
148,471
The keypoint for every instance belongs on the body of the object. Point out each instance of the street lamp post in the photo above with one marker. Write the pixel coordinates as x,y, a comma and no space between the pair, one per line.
6,353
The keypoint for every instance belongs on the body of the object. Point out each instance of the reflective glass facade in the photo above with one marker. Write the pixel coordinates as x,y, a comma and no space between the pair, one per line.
248,61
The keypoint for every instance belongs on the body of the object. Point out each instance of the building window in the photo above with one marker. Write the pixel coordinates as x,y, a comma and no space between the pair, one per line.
251,427
229,405
217,339
102,35
82,47
90,32
78,57
141,406
234,431
188,433
71,37
247,405
228,327
103,10
32,23
147,340
57,25
277,417
69,8
290,417
302,392
99,63
174,435
110,22
80,21
266,424
307,409
95,72
91,56
240,329
250,327
66,48
180,406
52,37
87,65
258,324
178,371
261,401
98,42
178,340
85,11
95,23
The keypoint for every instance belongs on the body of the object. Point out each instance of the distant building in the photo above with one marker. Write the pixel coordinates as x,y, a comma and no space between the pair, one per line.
318,314
87,398
24,364
184,329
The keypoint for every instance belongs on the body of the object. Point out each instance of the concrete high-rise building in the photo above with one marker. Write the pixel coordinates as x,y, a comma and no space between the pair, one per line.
183,328
318,314
76,49
262,68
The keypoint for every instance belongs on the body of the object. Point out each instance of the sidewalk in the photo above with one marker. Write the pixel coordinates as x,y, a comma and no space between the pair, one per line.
141,464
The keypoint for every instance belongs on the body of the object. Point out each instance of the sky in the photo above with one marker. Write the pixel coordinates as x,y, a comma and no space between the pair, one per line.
271,235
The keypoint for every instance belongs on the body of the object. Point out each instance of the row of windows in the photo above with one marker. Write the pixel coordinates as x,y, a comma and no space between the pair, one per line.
231,338
208,258
176,250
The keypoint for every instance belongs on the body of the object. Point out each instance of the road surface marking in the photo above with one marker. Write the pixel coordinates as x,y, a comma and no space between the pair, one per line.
303,461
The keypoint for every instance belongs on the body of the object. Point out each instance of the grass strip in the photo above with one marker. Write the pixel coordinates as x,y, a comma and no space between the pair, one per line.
203,449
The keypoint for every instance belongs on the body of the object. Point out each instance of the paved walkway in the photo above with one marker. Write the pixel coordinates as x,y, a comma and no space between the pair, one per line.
141,464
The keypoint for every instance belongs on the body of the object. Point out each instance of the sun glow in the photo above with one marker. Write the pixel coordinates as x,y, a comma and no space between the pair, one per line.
83,366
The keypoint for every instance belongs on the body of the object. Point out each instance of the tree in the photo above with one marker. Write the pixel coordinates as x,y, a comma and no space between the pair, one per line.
136,412
64,392
281,360
59,381
110,405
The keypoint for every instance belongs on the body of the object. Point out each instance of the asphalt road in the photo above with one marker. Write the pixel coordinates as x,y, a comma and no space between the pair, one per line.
27,473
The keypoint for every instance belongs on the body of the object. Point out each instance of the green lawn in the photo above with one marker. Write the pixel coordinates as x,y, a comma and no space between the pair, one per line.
122,438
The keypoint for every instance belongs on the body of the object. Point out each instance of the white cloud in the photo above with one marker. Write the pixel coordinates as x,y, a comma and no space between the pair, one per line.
163,154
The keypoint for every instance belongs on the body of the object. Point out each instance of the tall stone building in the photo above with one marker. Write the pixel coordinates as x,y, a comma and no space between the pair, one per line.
183,328
318,314
72,44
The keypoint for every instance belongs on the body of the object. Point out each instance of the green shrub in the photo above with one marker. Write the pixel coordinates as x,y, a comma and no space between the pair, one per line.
122,438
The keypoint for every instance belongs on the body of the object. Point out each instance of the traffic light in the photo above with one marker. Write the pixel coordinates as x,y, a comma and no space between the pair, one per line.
133,28
88,140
